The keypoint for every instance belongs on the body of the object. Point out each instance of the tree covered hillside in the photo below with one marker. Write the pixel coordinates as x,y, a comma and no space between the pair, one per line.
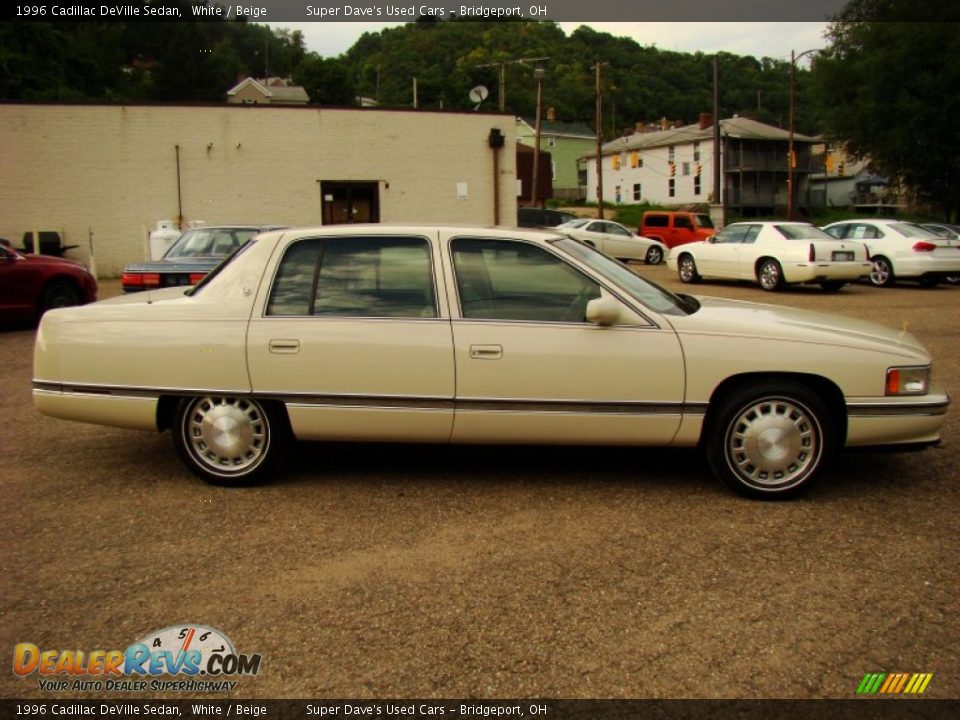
199,61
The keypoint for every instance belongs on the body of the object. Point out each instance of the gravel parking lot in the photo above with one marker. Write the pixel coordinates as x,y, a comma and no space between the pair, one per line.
370,571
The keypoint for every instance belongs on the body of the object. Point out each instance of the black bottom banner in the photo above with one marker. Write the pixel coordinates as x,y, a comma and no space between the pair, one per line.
854,709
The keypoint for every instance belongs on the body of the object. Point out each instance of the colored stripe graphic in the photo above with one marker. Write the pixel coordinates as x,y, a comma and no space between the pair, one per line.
894,683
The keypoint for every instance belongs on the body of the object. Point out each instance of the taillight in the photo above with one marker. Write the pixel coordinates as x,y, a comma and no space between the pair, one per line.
151,279
132,280
923,246
196,277
813,253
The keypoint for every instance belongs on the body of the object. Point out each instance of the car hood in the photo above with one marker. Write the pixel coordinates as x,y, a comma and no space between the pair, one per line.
51,261
737,318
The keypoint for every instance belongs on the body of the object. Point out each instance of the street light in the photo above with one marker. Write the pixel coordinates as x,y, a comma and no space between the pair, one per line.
790,158
539,73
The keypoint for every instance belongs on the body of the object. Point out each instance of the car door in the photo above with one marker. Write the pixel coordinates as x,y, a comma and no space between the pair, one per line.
621,243
352,338
749,252
721,256
19,284
595,233
530,368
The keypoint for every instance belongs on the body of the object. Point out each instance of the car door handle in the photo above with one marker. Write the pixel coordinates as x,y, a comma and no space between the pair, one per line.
486,352
288,347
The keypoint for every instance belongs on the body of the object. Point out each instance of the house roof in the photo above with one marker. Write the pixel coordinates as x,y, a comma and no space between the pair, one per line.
560,129
274,88
736,127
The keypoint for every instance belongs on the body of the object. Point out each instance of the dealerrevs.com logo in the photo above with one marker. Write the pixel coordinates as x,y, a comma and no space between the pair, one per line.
205,656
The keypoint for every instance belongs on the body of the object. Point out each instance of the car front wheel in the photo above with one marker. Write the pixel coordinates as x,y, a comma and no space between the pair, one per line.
881,274
654,255
770,440
687,269
58,294
226,440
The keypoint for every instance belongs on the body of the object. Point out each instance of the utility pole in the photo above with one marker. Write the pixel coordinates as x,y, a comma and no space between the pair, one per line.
791,161
538,73
717,200
599,111
502,66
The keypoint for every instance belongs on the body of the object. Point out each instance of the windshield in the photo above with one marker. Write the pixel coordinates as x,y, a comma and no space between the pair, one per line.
703,221
579,222
915,231
651,295
800,231
209,242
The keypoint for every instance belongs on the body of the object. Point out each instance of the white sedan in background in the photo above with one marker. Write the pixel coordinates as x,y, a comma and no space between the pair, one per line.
902,250
615,240
772,254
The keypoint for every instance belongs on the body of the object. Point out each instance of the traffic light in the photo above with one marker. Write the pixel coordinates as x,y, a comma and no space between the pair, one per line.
699,169
673,169
840,169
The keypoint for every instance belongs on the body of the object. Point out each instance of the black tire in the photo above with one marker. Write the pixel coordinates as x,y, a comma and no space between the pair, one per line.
770,275
832,285
771,439
654,255
929,282
58,294
953,279
227,440
687,269
881,274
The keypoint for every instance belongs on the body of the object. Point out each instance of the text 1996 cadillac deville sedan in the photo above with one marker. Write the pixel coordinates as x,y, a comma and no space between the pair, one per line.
448,334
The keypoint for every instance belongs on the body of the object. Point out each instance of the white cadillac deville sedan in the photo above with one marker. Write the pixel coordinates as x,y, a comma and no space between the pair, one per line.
473,335
773,254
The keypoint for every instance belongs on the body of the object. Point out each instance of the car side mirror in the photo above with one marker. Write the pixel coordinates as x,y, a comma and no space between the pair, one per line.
603,311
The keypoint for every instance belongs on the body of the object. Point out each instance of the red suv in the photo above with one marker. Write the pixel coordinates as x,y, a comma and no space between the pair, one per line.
676,228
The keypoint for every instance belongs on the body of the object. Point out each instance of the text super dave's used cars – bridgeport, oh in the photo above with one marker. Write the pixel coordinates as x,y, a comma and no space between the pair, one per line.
449,334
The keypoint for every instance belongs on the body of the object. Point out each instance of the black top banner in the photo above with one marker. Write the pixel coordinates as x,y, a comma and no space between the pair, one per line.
410,10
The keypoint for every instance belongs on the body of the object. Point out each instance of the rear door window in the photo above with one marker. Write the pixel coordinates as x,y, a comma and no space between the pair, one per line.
390,277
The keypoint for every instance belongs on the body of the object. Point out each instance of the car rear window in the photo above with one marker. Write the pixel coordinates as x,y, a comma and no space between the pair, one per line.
803,232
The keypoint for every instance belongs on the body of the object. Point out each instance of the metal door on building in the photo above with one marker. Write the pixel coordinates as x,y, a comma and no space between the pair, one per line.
345,202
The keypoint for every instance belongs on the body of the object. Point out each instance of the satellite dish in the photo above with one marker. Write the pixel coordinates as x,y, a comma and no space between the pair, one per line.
478,95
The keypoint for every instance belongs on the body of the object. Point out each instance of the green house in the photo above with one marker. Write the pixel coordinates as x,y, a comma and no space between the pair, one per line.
566,142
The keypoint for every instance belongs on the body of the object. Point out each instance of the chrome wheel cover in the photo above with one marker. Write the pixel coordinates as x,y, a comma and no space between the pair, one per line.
769,275
773,444
654,256
227,436
880,272
687,269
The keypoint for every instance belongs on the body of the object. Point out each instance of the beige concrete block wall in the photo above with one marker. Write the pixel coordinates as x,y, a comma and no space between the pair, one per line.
112,170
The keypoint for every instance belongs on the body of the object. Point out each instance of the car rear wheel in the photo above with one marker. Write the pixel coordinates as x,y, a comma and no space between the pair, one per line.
770,275
929,282
58,294
687,269
654,255
226,440
770,440
881,274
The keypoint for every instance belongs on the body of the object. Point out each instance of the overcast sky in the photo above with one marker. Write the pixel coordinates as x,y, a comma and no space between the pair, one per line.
769,39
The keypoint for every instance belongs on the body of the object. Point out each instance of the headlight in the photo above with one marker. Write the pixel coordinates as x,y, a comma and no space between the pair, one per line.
908,380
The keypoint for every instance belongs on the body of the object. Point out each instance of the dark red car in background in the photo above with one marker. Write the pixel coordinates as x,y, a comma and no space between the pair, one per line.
32,284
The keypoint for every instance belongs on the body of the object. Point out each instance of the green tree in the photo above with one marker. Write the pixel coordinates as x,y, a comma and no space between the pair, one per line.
887,89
